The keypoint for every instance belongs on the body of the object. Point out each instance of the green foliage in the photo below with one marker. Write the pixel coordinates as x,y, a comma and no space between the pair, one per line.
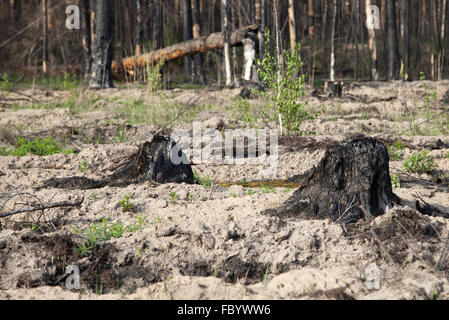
83,166
154,77
268,189
420,162
38,146
5,85
285,85
205,182
172,196
104,231
395,150
447,155
126,204
395,181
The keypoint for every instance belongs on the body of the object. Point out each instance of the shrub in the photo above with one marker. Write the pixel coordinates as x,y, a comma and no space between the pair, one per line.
420,162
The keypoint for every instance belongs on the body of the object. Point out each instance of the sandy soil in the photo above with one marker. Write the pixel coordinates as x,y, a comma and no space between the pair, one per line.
199,242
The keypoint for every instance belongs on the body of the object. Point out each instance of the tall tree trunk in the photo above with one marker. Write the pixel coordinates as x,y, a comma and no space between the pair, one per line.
227,58
277,29
100,76
292,24
198,58
45,35
393,47
158,41
372,46
86,37
187,35
139,26
405,37
311,14
332,63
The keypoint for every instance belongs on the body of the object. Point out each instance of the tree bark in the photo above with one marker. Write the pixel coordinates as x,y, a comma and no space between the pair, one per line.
86,37
332,63
187,35
372,47
198,58
100,76
393,47
292,24
227,59
183,49
45,36
405,37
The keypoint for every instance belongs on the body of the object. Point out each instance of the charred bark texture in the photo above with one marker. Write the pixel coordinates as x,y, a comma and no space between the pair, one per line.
152,162
100,76
351,182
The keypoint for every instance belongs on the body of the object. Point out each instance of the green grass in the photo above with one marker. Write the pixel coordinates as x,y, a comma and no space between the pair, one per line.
38,146
420,162
83,166
395,181
126,204
205,182
104,231
447,155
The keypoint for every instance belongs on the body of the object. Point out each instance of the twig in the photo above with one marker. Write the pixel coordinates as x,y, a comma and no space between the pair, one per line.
43,207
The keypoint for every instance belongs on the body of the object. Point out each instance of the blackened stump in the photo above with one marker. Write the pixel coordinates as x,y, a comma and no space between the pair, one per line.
351,182
152,162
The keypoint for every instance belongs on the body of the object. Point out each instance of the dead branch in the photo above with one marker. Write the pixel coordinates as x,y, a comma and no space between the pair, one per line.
60,204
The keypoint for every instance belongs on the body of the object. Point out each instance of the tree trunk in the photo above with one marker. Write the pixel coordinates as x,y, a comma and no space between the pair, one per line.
372,47
45,36
183,49
187,35
139,27
86,36
405,37
311,14
198,58
227,58
100,76
393,47
292,24
277,30
332,63
158,42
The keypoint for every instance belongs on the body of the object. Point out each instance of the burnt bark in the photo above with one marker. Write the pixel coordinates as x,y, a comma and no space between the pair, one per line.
351,182
86,37
187,35
393,46
152,162
100,75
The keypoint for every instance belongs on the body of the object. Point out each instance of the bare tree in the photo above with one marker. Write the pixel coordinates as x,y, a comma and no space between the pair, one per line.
100,75
45,35
227,58
405,38
292,24
393,47
86,37
372,45
332,63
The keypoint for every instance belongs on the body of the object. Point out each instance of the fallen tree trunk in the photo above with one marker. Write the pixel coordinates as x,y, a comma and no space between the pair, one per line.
183,49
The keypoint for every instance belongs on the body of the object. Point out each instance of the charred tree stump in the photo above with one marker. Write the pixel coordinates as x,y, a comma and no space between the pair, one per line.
152,162
351,182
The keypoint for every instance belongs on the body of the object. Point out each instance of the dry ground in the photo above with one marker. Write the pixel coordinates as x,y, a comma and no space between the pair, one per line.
206,241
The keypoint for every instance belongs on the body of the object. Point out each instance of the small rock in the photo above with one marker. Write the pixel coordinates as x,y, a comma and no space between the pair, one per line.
182,195
214,123
161,203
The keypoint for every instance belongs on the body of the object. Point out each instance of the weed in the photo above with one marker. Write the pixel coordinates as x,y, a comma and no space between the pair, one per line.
267,270
5,85
83,166
38,146
126,204
234,195
121,135
172,196
395,181
420,162
154,76
268,189
250,192
447,155
95,197
205,182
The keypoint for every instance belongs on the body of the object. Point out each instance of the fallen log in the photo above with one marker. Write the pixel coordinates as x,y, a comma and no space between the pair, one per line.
182,49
